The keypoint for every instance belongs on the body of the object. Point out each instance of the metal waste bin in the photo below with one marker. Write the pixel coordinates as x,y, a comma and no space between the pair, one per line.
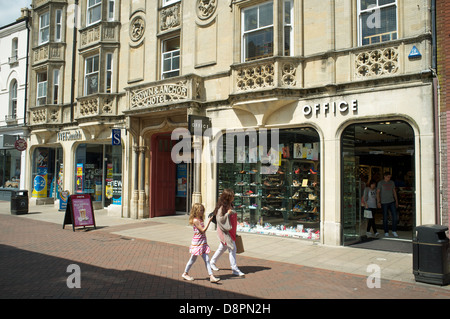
431,255
19,202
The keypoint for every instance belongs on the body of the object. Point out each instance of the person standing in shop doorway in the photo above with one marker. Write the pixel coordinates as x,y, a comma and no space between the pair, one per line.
369,201
387,200
226,230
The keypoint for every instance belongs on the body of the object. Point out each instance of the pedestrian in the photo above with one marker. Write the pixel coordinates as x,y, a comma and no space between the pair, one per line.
199,244
387,199
226,218
370,203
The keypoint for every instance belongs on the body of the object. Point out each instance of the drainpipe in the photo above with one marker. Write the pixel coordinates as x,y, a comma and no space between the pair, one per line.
25,101
74,54
437,152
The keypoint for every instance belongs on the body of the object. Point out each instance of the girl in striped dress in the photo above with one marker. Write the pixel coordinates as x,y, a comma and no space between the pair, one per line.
199,245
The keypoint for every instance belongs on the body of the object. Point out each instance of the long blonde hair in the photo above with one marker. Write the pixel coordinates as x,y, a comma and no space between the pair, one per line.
197,211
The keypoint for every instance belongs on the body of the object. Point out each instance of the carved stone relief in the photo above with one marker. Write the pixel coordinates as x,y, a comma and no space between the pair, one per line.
169,17
206,8
377,62
137,28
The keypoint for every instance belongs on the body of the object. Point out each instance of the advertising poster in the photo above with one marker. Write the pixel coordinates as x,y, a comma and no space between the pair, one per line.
40,183
79,178
79,211
181,180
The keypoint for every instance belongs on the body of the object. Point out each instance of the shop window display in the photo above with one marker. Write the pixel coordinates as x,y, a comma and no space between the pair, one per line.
98,172
280,197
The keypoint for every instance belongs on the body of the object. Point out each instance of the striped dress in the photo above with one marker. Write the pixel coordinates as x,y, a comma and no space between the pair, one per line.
199,246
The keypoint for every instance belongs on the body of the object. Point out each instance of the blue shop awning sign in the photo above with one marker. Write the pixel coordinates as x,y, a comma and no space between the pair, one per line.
414,53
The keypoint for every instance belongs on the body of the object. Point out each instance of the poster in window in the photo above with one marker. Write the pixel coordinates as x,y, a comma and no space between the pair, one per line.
79,178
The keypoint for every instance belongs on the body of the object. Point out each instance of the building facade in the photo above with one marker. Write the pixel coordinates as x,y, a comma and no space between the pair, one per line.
304,103
13,100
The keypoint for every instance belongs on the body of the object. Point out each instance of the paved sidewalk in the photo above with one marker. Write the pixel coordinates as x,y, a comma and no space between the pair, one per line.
126,258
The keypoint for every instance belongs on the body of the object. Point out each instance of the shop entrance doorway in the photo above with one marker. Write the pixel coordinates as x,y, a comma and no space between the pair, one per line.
368,151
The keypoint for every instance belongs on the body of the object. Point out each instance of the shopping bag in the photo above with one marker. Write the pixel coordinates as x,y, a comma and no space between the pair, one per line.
239,244
368,213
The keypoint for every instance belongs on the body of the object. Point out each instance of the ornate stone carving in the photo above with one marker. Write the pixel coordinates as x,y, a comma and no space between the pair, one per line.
169,17
137,28
39,116
159,94
377,62
206,8
89,107
255,77
288,74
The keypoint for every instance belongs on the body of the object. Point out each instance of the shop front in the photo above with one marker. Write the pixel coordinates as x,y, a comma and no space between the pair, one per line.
328,149
73,161
12,163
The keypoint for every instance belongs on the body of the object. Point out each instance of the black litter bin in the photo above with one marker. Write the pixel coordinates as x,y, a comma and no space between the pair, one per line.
19,202
431,255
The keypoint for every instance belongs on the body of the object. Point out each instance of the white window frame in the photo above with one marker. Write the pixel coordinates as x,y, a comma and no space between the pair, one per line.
44,30
109,73
169,2
41,99
13,99
58,25
373,10
290,25
170,55
90,10
56,79
111,9
89,73
245,33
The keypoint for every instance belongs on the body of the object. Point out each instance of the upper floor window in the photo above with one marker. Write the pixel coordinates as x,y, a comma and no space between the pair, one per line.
169,2
13,100
109,73
55,86
58,25
257,31
288,24
91,75
44,28
111,6
171,58
377,21
94,11
41,96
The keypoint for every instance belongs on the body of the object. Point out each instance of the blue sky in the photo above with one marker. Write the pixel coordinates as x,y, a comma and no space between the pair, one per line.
10,10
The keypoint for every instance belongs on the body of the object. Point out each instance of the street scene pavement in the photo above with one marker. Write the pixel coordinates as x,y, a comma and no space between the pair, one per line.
143,259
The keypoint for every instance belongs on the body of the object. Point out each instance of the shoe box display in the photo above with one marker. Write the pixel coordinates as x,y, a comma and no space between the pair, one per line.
279,200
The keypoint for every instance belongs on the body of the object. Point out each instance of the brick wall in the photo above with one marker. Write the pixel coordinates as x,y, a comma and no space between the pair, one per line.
443,70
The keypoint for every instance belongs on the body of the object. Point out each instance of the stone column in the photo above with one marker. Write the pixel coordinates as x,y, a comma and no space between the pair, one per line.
197,146
135,193
142,197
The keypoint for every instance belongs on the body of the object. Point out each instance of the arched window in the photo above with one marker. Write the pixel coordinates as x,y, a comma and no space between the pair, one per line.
12,100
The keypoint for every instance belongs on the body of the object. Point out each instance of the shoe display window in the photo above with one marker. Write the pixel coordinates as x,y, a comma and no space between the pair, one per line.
281,198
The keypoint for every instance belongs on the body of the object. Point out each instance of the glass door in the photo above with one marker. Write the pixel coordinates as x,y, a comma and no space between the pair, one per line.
351,190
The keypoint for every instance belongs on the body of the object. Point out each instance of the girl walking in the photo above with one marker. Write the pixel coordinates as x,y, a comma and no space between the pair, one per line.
226,231
199,245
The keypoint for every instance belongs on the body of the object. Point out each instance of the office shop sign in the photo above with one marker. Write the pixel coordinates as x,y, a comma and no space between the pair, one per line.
330,108
66,136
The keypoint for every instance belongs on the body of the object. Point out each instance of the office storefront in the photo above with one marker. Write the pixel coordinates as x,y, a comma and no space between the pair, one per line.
329,147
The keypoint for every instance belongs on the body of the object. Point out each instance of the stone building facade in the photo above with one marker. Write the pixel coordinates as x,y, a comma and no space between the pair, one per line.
343,91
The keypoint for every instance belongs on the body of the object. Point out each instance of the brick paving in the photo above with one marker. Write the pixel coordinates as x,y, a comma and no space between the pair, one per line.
35,255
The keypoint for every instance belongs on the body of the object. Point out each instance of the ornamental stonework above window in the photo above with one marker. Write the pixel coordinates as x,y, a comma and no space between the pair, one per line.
206,8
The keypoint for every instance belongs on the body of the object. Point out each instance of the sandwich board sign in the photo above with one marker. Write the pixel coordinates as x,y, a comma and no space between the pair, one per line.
79,211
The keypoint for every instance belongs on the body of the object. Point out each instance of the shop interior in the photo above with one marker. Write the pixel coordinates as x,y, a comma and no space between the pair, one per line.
369,150
276,192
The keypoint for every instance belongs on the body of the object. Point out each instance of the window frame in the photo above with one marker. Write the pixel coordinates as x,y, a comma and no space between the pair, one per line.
109,72
373,9
89,10
13,90
244,33
111,10
56,79
167,74
166,3
90,73
45,28
58,25
42,84
291,26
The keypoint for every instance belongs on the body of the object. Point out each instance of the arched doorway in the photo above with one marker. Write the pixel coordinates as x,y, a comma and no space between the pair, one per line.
368,151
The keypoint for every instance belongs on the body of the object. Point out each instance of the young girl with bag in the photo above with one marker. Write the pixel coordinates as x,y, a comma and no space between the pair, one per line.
199,245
